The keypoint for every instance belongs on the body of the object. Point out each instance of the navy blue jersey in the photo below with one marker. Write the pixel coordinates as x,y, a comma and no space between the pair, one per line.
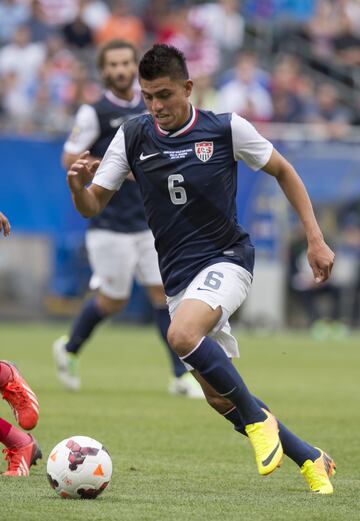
125,211
188,182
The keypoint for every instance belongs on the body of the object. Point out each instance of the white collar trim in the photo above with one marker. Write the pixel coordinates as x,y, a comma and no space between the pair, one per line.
182,130
121,102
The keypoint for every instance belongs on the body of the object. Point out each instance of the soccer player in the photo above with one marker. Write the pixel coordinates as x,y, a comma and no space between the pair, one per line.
185,161
119,242
21,449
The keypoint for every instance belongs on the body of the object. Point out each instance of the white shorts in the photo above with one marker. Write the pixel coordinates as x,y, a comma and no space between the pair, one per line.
223,284
117,258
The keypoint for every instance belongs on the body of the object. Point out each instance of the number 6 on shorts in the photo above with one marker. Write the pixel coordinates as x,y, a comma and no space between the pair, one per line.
213,279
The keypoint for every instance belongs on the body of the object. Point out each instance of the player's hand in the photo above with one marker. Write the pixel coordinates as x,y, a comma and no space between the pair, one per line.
321,259
81,173
4,225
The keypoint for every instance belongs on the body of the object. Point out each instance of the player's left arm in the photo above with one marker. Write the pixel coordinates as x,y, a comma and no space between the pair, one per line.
4,225
320,256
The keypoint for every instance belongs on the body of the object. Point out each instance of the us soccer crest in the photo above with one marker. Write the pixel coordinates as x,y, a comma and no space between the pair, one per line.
204,150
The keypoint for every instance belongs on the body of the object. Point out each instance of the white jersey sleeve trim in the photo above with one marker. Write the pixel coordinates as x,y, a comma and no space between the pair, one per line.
85,131
248,145
114,166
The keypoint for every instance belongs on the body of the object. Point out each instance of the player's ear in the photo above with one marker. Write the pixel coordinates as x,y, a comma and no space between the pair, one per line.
188,87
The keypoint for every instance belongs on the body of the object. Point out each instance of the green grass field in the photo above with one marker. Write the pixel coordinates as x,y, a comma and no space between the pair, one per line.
175,459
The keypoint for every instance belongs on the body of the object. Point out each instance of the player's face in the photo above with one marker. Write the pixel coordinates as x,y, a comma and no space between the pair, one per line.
167,100
119,69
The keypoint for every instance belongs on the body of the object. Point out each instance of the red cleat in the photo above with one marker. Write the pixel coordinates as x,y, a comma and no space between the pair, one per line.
21,398
20,460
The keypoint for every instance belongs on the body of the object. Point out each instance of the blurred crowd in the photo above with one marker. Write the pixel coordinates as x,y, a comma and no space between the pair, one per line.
276,61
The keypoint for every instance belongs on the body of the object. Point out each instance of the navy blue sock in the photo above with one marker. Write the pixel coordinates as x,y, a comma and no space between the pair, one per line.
295,448
162,319
84,324
215,367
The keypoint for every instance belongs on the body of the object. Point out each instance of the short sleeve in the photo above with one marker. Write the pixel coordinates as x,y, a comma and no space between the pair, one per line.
248,145
85,131
114,166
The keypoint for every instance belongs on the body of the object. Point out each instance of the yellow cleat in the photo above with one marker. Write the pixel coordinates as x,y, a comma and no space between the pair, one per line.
318,472
264,437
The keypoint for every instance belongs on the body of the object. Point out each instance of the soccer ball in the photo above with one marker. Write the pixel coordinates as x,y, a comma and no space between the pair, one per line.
79,468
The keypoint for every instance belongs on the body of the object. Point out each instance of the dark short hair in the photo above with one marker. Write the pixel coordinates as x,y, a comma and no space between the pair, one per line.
163,60
109,46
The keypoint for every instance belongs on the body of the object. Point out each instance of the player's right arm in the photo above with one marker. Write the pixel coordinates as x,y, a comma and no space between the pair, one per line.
88,200
91,199
4,225
69,159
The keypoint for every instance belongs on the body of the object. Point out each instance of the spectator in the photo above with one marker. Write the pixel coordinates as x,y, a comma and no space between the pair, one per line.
52,86
171,23
288,107
21,56
330,113
161,21
44,114
12,14
351,9
347,44
224,23
59,12
94,13
245,94
322,29
306,92
201,52
121,24
20,61
77,33
15,103
39,28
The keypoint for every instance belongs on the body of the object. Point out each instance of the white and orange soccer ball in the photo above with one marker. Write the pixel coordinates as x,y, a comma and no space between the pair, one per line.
79,468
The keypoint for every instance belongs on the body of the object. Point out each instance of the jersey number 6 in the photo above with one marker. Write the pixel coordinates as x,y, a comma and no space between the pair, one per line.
177,193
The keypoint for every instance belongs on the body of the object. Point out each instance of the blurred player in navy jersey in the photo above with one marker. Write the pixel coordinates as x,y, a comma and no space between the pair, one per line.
185,161
119,243
21,449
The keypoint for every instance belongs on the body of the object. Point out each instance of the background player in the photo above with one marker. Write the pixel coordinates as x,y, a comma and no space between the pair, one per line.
119,243
185,163
4,225
21,450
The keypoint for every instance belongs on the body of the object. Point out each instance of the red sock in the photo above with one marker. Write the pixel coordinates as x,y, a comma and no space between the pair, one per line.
12,437
5,374
4,430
